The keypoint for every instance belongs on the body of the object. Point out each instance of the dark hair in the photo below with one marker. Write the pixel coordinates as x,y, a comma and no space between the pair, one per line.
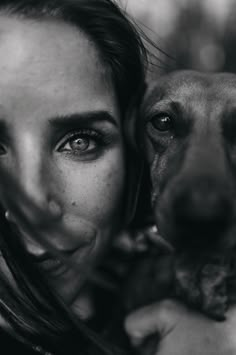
35,314
115,36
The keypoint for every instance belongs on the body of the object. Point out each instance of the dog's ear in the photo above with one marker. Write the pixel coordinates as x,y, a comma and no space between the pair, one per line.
135,158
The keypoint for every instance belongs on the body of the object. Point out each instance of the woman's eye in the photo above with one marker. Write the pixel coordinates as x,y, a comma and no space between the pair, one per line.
162,122
84,142
78,144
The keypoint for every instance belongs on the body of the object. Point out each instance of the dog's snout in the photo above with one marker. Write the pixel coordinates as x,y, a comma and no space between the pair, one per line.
202,210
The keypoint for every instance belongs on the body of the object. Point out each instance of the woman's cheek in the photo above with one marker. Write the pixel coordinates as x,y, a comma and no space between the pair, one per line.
95,190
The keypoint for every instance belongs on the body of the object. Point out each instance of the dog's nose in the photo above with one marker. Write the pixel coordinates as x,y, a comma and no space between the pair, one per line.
202,212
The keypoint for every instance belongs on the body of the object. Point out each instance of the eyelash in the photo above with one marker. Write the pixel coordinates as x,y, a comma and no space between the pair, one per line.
91,135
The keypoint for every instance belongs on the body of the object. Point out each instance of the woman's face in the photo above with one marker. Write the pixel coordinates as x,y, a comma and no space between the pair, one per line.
61,136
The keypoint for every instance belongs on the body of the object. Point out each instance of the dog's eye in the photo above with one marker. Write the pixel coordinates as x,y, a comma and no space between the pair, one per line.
162,122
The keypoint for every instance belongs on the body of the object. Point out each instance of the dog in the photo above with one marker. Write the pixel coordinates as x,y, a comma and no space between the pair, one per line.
187,132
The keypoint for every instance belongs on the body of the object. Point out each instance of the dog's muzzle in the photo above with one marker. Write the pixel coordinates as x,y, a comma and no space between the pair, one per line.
202,211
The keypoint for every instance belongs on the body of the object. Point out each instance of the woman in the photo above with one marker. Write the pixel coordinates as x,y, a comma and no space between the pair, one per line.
69,70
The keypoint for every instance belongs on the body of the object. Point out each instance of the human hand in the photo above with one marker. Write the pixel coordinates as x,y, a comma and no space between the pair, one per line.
180,331
141,240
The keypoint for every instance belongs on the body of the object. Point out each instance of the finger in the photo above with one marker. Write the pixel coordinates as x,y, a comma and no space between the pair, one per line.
153,236
125,243
141,240
158,318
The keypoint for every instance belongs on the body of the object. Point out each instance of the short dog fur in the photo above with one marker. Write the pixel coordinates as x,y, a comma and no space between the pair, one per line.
187,131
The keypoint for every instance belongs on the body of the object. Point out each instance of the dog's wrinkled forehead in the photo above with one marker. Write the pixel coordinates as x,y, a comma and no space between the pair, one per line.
191,86
189,109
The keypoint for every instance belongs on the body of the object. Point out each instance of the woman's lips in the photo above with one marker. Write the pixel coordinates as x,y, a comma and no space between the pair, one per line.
55,266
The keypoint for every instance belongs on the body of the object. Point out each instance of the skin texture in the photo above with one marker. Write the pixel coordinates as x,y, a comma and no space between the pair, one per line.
74,168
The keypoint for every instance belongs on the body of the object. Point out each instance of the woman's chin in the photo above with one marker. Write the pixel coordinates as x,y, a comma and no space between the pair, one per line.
67,285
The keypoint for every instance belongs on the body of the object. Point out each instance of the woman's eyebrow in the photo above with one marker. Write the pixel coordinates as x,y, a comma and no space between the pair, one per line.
82,118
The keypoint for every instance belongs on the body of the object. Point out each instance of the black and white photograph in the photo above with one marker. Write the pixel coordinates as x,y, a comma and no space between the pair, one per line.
118,177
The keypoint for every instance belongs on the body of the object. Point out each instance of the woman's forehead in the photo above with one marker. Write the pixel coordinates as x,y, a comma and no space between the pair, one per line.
52,45
53,61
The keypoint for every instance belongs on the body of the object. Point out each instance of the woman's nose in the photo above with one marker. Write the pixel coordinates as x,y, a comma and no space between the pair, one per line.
37,181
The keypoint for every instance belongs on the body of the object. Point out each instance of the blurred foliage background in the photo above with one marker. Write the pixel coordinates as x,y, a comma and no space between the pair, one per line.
197,34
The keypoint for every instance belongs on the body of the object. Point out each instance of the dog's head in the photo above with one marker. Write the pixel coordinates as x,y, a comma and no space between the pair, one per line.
189,121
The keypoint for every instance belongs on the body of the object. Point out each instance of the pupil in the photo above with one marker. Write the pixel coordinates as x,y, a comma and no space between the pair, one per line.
80,143
165,121
162,123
